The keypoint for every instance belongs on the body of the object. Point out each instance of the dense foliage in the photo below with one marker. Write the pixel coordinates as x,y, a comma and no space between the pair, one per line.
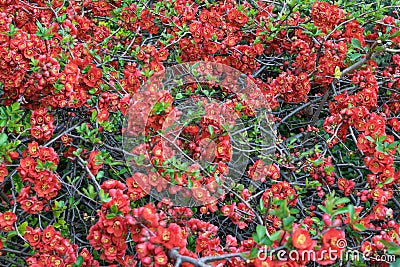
72,73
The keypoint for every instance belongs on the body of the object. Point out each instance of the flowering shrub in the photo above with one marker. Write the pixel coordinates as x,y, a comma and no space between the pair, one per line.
80,85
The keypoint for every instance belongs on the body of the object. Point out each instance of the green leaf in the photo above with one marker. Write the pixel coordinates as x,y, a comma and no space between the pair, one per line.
288,222
114,208
266,241
18,183
356,43
389,180
44,33
392,247
105,197
253,253
94,115
210,129
323,209
15,106
13,30
338,73
369,138
294,211
276,235
86,69
359,227
111,215
22,228
261,231
341,211
3,139
351,212
79,262
317,162
11,234
283,210
262,204
381,138
100,175
190,183
394,35
342,200
255,238
379,148
355,56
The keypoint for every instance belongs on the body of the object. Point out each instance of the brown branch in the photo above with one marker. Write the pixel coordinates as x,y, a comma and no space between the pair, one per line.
349,69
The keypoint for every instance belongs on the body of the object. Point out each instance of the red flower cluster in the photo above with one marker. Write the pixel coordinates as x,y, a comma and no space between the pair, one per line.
135,190
280,190
291,87
239,213
346,185
37,172
108,235
321,169
42,124
54,250
7,219
203,140
3,172
94,163
145,225
131,81
305,59
333,58
259,171
325,15
331,241
354,30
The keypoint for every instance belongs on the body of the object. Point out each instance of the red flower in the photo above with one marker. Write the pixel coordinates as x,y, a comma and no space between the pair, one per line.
301,239
33,149
201,194
160,259
7,219
346,185
94,164
149,214
48,234
103,115
237,16
47,185
109,254
92,76
170,237
3,172
54,261
374,165
116,226
333,238
112,184
223,150
48,154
